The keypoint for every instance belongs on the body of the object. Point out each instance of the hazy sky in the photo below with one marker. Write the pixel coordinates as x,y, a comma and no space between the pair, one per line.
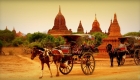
29,16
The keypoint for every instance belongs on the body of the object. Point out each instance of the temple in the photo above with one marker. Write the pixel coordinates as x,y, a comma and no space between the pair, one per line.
80,28
113,34
59,27
95,26
19,34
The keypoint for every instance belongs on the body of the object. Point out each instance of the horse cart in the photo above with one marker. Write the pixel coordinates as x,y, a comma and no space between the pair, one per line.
83,52
133,47
63,55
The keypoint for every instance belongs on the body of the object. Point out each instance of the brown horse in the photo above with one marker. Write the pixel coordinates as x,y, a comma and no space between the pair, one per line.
45,59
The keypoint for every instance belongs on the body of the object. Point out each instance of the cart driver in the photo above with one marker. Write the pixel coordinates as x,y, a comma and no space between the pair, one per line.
122,46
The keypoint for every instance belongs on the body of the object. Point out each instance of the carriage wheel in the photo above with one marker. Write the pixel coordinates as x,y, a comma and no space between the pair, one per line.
87,63
67,68
137,56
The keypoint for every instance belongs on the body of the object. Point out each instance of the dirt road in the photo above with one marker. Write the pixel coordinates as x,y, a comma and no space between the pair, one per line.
23,68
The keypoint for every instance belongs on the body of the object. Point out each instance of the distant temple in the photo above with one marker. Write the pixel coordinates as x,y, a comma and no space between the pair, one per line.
80,28
114,33
59,27
19,34
95,26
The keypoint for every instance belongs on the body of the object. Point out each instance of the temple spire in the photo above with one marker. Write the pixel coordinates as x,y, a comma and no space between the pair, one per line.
13,28
80,22
80,28
115,17
111,21
95,17
6,28
59,10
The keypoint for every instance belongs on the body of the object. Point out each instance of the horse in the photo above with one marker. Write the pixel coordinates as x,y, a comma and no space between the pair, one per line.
115,53
55,54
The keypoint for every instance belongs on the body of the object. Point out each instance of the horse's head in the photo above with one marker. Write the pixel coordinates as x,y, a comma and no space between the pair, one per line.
34,52
108,47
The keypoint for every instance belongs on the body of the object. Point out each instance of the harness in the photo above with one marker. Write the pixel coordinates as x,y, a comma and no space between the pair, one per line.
45,53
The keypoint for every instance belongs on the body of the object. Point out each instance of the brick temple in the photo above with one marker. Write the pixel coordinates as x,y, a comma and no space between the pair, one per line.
59,27
95,26
114,33
80,28
16,34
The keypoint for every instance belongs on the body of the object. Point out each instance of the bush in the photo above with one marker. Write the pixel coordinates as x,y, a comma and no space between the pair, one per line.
132,34
17,41
35,44
99,37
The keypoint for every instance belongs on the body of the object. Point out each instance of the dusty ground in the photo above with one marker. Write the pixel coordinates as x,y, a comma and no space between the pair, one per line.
21,67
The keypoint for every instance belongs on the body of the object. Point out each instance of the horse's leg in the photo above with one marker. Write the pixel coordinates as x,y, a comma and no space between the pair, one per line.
42,64
57,66
49,68
118,59
111,60
122,58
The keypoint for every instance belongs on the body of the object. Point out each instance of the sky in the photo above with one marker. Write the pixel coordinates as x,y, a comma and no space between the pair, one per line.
29,16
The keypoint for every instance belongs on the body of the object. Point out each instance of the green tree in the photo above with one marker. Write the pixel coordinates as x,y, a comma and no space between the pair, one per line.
132,34
37,36
6,35
59,41
31,45
48,41
17,41
99,37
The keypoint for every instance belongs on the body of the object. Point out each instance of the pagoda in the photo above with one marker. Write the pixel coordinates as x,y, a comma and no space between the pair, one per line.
19,34
14,31
114,33
59,27
95,26
80,28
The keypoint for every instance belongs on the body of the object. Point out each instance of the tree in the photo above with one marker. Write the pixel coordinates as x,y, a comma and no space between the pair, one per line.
132,34
6,35
99,37
17,41
48,41
37,36
59,41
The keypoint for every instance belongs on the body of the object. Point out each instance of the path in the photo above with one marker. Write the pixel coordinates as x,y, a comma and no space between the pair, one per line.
23,68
